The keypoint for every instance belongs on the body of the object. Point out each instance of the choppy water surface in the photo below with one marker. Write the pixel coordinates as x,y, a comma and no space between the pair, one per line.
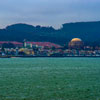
50,79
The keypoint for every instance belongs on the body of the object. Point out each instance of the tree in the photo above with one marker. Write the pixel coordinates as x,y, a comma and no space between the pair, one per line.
8,45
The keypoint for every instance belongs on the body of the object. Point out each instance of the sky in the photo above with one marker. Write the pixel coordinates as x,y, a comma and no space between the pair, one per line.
48,12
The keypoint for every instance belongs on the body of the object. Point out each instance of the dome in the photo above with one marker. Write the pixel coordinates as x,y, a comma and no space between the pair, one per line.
76,43
75,39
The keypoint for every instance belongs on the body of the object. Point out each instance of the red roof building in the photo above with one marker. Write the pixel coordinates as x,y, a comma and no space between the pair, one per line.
44,44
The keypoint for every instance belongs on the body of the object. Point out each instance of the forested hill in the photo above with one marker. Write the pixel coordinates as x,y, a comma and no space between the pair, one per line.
89,32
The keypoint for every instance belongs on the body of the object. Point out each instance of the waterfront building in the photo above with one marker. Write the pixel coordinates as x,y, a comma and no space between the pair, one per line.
76,43
26,51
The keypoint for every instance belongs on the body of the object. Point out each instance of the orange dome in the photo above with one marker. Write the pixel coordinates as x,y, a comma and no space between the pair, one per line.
76,43
75,39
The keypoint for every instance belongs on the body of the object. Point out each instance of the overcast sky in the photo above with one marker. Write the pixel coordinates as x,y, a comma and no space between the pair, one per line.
48,12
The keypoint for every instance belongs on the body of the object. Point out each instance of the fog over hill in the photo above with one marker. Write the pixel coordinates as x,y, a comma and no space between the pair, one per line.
89,32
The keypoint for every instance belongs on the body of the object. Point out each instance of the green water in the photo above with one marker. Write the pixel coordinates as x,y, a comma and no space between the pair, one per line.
50,79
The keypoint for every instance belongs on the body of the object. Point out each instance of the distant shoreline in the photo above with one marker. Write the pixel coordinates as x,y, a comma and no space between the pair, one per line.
49,56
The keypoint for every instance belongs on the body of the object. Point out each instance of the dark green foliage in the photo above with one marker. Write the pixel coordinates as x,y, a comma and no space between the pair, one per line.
89,32
8,45
21,53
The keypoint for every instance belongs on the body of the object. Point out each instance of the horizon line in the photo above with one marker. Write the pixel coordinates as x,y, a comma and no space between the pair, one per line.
50,25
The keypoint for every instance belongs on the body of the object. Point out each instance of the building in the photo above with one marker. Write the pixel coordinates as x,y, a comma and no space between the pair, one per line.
76,43
41,44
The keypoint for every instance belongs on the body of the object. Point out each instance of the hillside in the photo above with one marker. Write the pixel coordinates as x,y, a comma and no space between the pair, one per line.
89,32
